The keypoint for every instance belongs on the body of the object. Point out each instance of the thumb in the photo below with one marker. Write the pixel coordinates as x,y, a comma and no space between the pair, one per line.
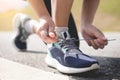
51,30
52,34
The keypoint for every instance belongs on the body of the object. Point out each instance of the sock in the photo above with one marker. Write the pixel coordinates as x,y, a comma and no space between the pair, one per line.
29,25
60,29
62,32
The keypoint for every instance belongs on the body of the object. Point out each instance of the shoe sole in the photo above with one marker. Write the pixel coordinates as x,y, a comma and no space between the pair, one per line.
68,70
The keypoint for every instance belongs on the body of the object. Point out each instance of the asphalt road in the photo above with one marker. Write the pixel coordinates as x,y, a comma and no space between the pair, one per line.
109,57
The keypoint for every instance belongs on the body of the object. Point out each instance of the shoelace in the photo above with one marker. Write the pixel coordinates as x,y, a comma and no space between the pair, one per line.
69,43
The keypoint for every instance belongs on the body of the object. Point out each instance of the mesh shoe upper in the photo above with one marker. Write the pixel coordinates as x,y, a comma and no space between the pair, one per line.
68,54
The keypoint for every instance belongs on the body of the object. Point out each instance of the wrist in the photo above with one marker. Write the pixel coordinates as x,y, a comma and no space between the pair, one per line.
44,17
86,21
85,24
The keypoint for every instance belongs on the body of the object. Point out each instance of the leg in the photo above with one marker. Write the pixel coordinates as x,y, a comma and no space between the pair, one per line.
71,24
93,36
60,14
22,45
64,55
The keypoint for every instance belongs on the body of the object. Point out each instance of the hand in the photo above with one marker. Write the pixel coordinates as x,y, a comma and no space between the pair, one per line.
94,37
45,30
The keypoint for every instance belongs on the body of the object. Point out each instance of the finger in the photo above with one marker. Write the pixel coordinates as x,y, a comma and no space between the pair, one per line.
43,35
100,35
52,30
46,38
88,42
99,45
87,39
52,35
102,41
93,44
105,40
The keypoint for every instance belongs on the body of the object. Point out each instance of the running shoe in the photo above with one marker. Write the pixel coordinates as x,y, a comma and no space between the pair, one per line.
66,57
20,39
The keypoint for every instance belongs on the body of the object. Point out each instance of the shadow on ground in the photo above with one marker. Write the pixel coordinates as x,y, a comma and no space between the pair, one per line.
33,52
110,70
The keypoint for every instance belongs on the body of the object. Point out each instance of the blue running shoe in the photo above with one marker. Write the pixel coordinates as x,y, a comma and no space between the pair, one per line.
67,58
19,40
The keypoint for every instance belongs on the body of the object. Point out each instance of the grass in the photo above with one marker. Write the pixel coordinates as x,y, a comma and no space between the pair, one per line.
107,17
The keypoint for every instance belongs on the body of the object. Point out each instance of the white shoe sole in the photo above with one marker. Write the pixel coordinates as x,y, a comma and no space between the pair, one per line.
55,64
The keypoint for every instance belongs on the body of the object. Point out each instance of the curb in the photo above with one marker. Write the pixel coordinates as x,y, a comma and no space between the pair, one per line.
10,70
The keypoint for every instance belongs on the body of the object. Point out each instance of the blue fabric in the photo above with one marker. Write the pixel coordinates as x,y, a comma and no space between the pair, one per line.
76,60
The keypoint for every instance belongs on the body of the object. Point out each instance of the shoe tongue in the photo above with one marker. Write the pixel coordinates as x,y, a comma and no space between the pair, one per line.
65,35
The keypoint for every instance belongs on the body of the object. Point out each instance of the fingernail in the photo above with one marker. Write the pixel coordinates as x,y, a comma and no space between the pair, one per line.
51,34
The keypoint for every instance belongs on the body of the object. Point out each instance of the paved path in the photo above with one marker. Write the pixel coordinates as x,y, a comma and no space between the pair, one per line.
33,59
14,71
